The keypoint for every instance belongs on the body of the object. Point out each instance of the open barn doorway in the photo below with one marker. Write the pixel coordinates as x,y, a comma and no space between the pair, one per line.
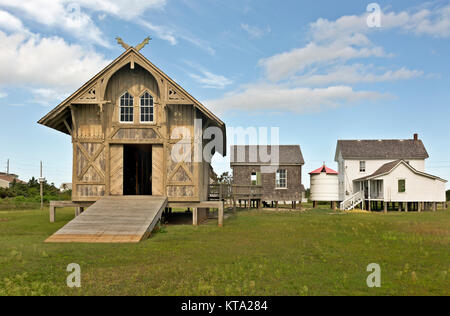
137,167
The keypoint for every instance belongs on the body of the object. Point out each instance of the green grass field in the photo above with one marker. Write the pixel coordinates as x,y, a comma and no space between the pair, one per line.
256,253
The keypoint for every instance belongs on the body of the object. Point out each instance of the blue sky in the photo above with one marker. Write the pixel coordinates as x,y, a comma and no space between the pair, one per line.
312,68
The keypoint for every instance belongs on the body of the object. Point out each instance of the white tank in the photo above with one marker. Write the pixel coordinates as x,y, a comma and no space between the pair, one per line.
324,185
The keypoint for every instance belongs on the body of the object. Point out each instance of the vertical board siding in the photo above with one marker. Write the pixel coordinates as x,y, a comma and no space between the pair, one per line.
99,154
89,121
157,170
116,176
136,82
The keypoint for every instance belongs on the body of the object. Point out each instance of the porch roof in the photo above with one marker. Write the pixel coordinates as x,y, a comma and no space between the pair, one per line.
389,167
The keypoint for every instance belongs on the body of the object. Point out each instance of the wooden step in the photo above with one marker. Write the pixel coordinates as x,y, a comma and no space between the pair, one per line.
124,219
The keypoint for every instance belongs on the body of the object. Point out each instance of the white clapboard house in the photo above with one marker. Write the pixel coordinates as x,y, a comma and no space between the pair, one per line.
389,174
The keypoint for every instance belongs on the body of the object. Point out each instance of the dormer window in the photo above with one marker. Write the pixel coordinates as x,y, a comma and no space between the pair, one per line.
126,108
147,108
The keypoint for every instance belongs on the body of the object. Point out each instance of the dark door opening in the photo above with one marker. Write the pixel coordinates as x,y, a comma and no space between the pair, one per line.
137,165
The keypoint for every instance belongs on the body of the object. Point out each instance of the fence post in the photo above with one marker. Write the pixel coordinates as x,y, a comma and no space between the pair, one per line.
221,217
52,212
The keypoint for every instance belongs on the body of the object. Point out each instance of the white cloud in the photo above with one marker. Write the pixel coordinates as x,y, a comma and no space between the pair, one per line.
125,9
436,24
354,74
63,14
209,80
9,22
434,21
46,63
47,97
284,98
171,34
286,64
255,31
73,16
198,42
162,32
325,62
345,39
3,95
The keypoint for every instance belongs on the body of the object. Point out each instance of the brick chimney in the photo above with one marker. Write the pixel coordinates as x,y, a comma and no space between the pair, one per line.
416,136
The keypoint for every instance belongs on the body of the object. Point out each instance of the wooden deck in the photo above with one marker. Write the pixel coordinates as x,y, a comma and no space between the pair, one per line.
124,219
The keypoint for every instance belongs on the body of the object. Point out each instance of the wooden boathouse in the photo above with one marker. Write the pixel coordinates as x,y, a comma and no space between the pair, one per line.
123,124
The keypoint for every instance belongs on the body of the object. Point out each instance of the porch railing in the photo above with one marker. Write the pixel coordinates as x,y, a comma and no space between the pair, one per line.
247,192
353,201
221,192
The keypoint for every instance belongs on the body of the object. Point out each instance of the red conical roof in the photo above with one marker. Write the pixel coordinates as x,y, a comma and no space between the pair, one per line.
324,169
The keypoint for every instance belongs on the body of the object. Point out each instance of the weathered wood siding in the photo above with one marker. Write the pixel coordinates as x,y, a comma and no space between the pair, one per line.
90,169
116,169
242,176
99,137
181,181
136,82
158,170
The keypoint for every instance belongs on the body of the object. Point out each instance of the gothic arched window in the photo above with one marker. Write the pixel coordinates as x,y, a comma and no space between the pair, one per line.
126,108
147,108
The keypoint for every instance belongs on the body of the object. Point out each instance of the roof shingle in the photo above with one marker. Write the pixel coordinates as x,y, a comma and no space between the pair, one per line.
382,149
288,154
387,168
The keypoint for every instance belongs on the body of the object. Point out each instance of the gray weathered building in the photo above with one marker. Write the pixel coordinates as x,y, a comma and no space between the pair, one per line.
279,179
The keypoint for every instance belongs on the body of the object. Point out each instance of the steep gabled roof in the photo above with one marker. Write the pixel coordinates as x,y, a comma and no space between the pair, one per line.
381,149
391,166
54,119
324,169
288,154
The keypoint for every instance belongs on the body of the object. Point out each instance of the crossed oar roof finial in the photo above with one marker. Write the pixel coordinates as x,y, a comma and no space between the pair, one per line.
138,47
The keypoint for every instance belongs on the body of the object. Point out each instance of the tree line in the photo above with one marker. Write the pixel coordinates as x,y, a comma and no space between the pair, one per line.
19,192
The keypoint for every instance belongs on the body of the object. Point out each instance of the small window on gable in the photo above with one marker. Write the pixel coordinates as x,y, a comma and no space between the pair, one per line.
126,108
362,166
401,186
281,179
147,108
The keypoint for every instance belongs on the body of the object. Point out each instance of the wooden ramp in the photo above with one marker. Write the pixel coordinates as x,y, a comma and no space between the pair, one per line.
121,219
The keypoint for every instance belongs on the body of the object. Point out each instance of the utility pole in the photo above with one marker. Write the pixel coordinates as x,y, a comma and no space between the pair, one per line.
7,166
41,181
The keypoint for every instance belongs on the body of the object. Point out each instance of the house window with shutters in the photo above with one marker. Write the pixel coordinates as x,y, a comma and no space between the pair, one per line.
401,186
256,178
281,179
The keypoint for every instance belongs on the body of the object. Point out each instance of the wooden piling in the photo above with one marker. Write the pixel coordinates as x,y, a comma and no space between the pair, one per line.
195,216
